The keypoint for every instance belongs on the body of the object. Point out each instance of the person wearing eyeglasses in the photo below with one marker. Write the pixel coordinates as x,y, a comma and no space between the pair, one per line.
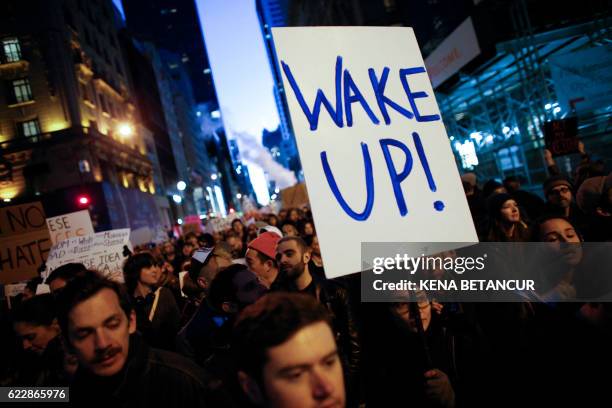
560,201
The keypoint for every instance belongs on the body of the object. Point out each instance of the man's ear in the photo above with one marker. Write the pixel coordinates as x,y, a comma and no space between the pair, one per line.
250,387
132,322
306,257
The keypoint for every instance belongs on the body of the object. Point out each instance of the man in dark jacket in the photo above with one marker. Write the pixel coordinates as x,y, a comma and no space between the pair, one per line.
116,367
292,256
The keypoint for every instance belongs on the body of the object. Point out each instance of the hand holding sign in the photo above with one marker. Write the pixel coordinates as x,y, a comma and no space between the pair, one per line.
377,161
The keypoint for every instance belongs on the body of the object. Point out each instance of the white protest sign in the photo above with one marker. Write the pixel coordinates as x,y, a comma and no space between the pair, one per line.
102,251
14,289
221,224
42,288
376,158
75,224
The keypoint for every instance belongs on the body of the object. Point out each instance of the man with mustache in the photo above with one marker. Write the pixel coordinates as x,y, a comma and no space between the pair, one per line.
116,367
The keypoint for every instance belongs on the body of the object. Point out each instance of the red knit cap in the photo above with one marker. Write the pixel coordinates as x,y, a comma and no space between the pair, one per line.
265,243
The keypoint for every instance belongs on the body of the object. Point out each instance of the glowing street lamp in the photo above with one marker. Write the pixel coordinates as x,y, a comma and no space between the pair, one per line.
213,177
181,185
177,198
125,129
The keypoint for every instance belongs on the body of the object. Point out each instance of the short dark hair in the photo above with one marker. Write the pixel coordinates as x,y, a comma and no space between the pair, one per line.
39,310
82,288
222,288
132,267
190,235
66,272
294,225
33,283
269,322
207,239
298,240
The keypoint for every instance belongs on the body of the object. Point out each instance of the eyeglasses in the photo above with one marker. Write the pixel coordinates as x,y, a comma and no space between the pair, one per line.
562,190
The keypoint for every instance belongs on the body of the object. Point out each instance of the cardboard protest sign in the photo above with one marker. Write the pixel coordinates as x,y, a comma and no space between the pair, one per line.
76,224
376,157
561,136
102,251
295,197
191,223
24,241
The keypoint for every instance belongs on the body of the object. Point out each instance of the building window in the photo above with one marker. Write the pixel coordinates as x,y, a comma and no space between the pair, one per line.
22,90
103,103
29,128
12,50
85,93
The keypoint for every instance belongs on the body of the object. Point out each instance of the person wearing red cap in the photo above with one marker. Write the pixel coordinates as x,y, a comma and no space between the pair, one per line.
260,257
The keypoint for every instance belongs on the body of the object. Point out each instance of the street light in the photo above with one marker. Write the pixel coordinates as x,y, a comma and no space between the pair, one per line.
239,196
181,185
177,198
125,129
213,177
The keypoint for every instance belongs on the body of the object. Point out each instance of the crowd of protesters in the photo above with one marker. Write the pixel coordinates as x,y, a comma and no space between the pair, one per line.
246,317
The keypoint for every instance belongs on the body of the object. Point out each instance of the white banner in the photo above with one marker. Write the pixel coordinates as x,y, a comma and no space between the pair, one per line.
75,224
459,48
102,251
377,161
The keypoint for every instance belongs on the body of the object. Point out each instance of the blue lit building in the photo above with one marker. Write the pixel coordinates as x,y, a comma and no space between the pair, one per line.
536,61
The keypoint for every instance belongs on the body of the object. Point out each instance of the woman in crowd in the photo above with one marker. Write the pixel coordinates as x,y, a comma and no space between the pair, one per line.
505,221
44,362
157,313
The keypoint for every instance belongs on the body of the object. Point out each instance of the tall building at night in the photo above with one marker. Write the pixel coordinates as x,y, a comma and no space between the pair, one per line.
173,29
173,25
275,13
69,125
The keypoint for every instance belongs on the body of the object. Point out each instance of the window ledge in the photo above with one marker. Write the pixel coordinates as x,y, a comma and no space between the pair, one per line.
20,104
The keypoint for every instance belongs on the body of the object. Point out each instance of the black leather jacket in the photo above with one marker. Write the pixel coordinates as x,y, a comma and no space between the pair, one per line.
336,300
150,378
